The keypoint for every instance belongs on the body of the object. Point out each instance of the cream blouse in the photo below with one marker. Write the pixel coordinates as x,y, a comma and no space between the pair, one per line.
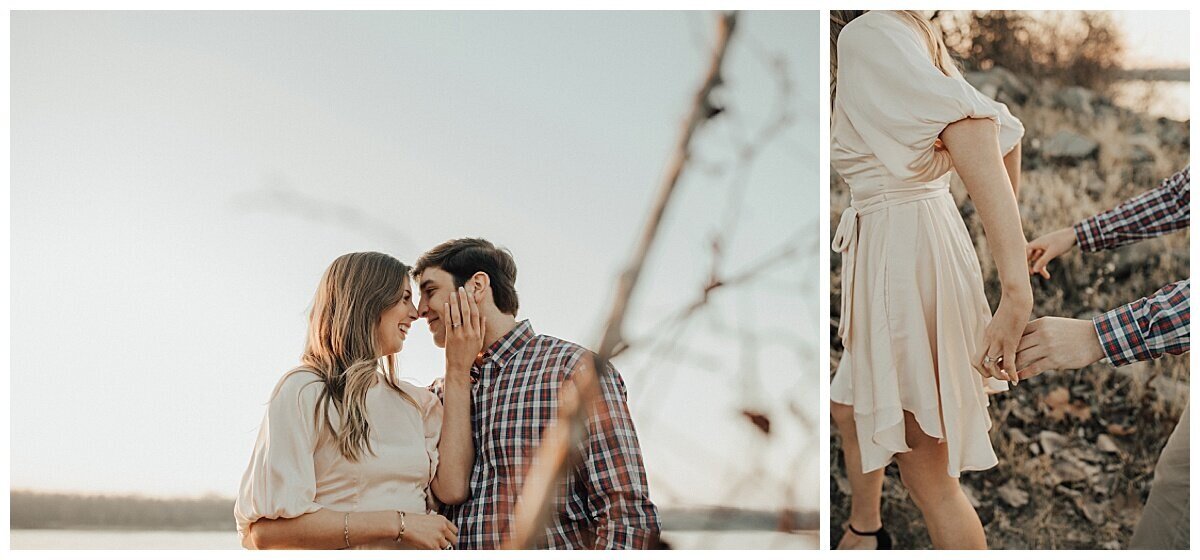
892,104
296,469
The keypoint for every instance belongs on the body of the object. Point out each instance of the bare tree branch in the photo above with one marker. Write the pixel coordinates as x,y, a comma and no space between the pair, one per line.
277,197
557,455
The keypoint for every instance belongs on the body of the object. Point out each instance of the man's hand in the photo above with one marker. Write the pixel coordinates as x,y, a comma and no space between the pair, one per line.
1057,343
1046,248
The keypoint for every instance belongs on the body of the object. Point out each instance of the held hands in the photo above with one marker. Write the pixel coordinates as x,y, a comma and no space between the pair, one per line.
997,354
1046,248
428,531
1057,343
1054,342
464,326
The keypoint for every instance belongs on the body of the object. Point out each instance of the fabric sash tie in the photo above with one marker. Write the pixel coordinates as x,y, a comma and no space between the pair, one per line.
845,241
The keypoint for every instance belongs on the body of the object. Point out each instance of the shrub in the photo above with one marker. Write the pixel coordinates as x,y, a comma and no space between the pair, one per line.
1078,48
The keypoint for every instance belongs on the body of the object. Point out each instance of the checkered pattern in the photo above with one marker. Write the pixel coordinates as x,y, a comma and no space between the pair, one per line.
604,502
1159,324
1150,214
1148,327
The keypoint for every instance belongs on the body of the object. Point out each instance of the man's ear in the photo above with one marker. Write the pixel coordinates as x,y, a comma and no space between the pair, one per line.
479,282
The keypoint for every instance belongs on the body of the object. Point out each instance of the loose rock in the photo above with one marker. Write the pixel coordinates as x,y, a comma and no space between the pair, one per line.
1012,494
1106,444
1068,147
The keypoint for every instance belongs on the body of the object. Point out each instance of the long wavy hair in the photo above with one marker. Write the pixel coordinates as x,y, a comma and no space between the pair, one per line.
342,348
938,53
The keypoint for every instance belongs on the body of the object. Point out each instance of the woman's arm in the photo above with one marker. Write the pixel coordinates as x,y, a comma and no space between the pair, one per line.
974,147
327,529
323,530
456,448
1012,164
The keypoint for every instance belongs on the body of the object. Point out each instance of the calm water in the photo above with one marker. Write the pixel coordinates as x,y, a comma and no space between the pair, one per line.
39,539
225,540
1161,99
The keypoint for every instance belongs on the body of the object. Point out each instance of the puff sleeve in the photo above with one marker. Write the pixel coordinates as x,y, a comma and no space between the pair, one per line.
899,102
431,415
280,481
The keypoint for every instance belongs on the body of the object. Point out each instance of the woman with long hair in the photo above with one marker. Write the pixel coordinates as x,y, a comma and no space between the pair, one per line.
348,455
922,348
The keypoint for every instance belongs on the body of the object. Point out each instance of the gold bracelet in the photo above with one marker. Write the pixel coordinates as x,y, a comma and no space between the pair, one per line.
400,535
346,528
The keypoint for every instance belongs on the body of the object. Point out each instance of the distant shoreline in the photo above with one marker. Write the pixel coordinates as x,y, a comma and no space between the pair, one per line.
78,512
74,512
1155,74
130,528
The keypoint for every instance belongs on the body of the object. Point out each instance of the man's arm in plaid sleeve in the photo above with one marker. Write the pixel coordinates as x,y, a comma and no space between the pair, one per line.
1148,327
1159,211
438,387
612,470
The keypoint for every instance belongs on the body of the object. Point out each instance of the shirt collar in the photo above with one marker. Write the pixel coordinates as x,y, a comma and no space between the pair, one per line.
501,351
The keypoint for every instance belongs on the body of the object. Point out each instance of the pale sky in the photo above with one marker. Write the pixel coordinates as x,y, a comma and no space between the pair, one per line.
1155,39
179,181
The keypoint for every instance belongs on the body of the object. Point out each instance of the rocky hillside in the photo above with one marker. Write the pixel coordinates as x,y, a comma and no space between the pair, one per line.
1077,448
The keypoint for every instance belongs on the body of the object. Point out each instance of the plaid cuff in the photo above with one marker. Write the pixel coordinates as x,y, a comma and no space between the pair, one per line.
1149,327
1090,235
1120,336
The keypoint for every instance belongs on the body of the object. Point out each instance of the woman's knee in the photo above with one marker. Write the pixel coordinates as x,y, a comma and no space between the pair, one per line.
842,414
925,479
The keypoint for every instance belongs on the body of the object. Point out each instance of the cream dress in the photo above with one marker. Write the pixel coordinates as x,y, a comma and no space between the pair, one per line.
913,307
297,470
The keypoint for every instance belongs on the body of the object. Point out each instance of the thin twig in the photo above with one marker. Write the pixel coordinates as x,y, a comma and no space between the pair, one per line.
556,455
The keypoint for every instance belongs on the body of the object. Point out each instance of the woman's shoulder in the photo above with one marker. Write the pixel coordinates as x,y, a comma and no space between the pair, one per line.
879,19
425,399
298,383
874,29
874,19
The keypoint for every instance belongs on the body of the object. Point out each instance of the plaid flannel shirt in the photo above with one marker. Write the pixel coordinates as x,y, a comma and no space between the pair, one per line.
1151,326
603,503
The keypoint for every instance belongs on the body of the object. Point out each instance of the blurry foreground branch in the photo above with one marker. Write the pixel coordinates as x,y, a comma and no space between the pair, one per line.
560,442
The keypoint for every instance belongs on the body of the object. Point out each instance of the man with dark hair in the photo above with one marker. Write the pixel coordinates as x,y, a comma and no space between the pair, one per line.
462,258
604,503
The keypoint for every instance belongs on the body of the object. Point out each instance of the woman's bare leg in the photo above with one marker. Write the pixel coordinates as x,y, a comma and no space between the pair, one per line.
952,522
865,488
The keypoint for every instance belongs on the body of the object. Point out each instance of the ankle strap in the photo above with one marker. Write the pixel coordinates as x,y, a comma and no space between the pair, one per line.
864,533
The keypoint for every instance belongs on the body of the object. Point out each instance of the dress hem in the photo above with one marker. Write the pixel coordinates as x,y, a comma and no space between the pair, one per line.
942,440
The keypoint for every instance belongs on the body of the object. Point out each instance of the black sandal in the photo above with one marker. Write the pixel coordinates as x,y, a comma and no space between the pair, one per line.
883,541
